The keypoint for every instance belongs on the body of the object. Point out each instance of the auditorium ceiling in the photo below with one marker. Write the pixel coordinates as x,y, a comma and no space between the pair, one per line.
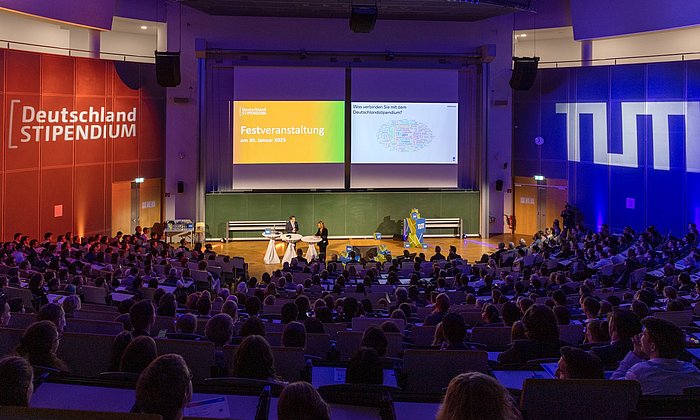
428,10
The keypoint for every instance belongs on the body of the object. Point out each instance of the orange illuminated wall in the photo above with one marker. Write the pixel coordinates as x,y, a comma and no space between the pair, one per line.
64,184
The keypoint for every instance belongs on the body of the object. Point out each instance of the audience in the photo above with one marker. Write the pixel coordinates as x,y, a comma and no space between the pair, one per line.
579,364
623,326
138,355
39,345
542,338
53,312
142,316
253,360
375,338
301,401
475,396
16,382
294,335
365,367
152,394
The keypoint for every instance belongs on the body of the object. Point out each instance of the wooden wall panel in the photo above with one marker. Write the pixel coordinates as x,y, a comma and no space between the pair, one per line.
56,190
21,203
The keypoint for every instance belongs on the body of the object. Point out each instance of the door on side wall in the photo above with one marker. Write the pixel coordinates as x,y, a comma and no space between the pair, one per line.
136,204
538,203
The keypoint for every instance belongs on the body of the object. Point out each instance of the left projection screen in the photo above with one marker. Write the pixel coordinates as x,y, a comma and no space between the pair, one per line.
288,132
288,128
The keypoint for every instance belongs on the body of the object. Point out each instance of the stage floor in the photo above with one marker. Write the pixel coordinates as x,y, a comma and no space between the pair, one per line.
253,251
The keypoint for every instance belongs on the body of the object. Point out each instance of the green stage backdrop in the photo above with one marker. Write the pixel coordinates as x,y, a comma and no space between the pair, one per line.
345,213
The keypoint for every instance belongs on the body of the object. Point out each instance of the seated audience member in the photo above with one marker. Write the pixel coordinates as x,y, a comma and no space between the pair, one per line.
219,330
39,344
442,306
252,326
375,338
591,307
579,364
365,367
562,314
455,331
623,326
119,344
389,327
253,360
301,401
53,312
16,382
5,312
510,313
654,362
71,304
152,397
542,332
314,326
138,355
640,309
438,255
142,316
294,335
597,333
517,331
253,306
475,396
490,316
289,312
230,308
185,328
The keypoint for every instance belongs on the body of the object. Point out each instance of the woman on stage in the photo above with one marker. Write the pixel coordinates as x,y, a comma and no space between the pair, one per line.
323,233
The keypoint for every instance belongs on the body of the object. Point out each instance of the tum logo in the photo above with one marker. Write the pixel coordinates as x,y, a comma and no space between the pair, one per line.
659,112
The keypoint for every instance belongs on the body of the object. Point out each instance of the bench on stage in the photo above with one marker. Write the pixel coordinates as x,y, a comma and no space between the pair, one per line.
253,226
454,223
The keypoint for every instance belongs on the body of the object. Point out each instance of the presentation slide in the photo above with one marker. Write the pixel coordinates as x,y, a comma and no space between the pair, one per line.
404,133
288,132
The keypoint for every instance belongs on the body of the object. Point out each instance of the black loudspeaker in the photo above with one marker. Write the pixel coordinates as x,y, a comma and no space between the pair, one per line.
180,187
499,185
524,72
363,18
168,68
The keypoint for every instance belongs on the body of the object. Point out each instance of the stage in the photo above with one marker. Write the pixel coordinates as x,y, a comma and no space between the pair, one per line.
253,251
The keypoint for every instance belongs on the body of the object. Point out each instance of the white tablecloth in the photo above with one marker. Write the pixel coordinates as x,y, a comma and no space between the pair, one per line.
291,252
271,256
311,253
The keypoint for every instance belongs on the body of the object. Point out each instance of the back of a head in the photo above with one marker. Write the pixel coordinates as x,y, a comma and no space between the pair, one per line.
219,329
230,307
204,306
252,326
119,345
38,341
138,355
581,364
668,338
53,312
541,324
563,315
186,323
141,315
475,396
253,305
375,338
365,367
253,359
625,323
442,302
169,401
16,377
301,401
454,328
289,312
294,335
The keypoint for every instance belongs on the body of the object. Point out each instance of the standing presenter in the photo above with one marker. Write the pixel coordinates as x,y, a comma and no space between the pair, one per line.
292,226
322,232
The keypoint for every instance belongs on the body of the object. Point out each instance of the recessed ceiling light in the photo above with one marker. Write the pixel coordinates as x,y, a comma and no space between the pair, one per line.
144,27
521,35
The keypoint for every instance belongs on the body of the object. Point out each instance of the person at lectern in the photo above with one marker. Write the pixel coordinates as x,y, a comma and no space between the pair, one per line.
323,233
292,225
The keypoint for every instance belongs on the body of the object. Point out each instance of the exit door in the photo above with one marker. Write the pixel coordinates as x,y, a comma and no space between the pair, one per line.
136,204
538,203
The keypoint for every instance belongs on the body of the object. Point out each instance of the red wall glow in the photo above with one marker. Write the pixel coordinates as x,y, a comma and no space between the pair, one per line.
70,127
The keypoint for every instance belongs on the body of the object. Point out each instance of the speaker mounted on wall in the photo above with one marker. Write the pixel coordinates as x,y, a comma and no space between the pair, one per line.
168,68
363,18
524,72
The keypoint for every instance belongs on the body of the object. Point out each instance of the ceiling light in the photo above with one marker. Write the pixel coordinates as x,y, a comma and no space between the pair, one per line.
521,35
144,27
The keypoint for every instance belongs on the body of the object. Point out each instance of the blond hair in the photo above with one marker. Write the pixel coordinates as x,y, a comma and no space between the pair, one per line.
475,396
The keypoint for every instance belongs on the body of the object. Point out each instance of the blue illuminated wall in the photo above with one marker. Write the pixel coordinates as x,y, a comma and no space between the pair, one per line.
659,184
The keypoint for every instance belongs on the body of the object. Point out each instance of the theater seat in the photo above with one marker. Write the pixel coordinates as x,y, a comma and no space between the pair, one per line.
199,355
9,340
578,399
492,337
429,371
91,326
23,413
86,354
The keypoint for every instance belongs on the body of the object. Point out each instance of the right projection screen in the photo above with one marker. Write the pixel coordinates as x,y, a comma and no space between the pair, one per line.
404,128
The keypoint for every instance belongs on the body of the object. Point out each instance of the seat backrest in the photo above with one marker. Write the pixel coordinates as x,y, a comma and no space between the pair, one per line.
333,329
571,334
86,354
348,342
24,294
21,320
25,413
273,338
679,318
199,355
163,323
578,398
429,371
423,335
9,340
289,363
95,294
394,346
318,345
497,337
95,315
362,323
99,307
91,326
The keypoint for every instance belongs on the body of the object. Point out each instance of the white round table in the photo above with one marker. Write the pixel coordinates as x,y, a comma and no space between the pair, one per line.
271,256
291,252
311,253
